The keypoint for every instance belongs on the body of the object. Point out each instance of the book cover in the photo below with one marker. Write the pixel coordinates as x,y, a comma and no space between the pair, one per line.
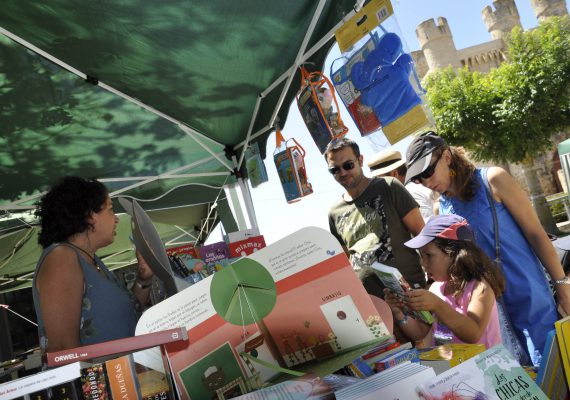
216,255
40,381
292,305
550,375
393,279
116,347
491,375
247,246
308,387
122,378
563,335
94,383
67,391
187,250
441,358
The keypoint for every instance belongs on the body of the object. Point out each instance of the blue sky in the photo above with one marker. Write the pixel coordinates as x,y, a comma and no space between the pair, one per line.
275,217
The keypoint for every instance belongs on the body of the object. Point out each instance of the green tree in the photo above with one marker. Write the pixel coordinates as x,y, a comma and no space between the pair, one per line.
511,113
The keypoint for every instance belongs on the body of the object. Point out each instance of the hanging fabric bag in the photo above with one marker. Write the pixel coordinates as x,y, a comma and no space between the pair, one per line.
289,159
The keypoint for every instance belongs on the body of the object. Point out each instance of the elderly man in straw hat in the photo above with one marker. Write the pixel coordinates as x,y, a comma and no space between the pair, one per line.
389,163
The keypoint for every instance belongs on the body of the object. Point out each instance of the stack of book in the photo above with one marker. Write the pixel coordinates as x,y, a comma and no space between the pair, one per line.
394,383
554,372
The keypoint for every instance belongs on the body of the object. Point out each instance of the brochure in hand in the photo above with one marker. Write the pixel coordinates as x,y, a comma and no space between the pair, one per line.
393,280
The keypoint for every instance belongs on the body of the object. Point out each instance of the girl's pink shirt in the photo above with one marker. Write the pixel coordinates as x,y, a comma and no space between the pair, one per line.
491,335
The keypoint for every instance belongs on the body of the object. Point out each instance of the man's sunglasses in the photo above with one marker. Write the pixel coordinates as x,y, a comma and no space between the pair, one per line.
347,166
428,171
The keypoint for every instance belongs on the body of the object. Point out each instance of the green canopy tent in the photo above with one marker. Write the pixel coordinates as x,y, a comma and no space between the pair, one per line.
157,100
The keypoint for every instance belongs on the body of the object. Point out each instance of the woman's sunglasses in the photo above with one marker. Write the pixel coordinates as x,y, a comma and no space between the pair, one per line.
428,171
347,166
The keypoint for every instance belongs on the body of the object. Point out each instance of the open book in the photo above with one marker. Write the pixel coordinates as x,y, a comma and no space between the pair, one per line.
393,280
293,306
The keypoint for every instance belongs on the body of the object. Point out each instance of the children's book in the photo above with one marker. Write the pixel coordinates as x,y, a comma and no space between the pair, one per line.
291,307
247,246
396,358
393,280
441,358
392,384
550,376
491,375
563,335
215,255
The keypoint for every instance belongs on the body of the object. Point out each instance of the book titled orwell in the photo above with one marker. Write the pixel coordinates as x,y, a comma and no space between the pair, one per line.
393,280
116,347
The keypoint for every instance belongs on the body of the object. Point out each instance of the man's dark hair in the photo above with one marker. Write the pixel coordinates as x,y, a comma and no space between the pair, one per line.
339,144
64,210
401,170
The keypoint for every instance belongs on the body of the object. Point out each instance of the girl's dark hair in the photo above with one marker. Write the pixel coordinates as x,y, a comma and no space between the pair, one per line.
464,179
469,262
64,210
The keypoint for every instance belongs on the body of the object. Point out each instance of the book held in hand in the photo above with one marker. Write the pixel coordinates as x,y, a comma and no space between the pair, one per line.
394,280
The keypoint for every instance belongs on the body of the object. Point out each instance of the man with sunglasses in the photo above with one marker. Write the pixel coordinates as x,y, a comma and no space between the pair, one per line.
373,219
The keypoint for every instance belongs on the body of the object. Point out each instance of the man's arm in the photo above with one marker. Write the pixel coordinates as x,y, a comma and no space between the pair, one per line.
414,221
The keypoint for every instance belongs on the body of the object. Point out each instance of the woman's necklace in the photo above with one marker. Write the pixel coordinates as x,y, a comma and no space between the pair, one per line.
93,262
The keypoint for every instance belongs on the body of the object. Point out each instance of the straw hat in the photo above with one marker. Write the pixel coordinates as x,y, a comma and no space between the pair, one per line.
385,161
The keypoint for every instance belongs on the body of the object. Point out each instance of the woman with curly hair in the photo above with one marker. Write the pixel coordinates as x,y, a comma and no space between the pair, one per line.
78,301
462,296
480,195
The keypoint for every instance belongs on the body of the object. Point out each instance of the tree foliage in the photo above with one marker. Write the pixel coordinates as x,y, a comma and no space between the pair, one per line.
512,112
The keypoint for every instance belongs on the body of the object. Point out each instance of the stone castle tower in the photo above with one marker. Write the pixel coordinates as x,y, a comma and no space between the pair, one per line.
438,51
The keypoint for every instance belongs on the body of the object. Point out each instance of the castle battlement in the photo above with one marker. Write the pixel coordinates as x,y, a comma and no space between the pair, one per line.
429,31
548,8
503,19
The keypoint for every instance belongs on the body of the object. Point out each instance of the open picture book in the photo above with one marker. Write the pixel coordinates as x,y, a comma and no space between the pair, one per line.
291,307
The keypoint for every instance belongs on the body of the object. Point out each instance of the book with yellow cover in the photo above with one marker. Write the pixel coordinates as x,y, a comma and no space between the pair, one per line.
442,358
563,333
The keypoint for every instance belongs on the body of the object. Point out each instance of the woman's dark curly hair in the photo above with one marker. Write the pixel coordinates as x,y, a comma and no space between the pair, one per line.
469,262
64,210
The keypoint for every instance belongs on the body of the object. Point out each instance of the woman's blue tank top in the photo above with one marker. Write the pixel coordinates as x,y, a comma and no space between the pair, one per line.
108,308
527,297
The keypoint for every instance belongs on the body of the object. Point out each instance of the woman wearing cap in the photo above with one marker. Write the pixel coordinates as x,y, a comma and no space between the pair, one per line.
523,242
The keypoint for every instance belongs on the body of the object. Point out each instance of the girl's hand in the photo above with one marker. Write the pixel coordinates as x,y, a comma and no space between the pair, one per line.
422,300
395,302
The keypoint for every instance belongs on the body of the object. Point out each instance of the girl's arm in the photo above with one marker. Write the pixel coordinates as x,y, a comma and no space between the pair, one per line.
60,284
506,190
468,328
413,329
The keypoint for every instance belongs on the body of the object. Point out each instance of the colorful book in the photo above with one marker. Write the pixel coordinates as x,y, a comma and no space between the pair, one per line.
491,375
441,358
40,381
563,335
215,255
116,347
393,280
94,383
550,375
67,391
295,305
399,357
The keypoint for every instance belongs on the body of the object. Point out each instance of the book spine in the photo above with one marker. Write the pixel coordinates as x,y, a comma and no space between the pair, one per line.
409,355
121,375
94,383
119,346
563,334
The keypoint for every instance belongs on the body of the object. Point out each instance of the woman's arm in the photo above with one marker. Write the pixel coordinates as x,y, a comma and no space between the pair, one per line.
143,283
60,284
506,190
468,328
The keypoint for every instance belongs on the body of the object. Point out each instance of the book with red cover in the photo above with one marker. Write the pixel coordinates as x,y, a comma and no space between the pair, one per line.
116,347
247,246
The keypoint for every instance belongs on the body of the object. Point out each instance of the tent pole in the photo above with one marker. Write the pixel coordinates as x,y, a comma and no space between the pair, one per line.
246,195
